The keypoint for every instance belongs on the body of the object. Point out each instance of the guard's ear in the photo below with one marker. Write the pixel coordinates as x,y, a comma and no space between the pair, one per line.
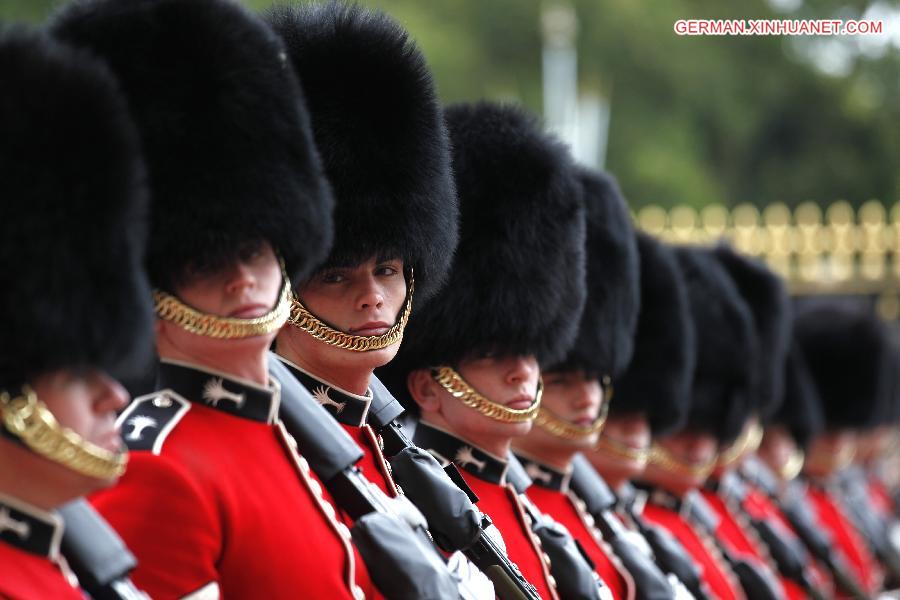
424,390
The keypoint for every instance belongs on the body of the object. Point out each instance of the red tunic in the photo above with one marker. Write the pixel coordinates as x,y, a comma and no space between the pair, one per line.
497,498
715,573
373,463
26,576
561,508
742,542
351,411
760,507
221,499
501,504
830,516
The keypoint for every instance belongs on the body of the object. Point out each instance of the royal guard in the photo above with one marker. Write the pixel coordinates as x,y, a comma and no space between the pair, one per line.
470,362
218,501
766,296
862,492
384,148
850,360
76,303
720,394
651,399
574,404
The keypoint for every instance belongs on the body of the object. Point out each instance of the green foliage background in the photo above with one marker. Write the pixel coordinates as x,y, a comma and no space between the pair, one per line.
694,119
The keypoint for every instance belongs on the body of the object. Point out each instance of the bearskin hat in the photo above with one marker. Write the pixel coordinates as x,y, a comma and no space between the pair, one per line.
800,410
73,293
891,415
723,384
766,296
850,360
517,282
379,128
224,130
658,380
605,341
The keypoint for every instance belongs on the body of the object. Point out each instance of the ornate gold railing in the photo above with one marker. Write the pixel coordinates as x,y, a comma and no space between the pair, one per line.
835,251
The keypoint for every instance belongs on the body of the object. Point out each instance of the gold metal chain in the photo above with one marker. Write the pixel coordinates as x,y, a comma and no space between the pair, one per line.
617,448
169,308
664,459
460,389
31,421
789,470
561,428
747,443
302,318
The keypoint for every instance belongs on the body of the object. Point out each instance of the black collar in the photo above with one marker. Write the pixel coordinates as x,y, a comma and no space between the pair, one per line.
448,448
544,475
229,394
346,407
29,528
692,506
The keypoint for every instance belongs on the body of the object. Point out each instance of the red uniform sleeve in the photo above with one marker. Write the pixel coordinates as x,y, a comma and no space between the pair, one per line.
168,523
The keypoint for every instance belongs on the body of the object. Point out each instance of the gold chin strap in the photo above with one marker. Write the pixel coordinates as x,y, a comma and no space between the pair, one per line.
169,308
792,466
664,459
28,418
561,428
747,443
301,318
616,448
459,388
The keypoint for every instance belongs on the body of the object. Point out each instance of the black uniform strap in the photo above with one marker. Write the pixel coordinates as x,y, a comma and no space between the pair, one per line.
588,484
320,439
96,554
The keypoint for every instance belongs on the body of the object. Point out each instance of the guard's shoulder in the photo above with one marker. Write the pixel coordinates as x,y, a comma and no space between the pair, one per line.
149,420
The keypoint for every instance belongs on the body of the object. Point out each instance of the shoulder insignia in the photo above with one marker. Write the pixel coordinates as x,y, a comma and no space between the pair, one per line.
148,420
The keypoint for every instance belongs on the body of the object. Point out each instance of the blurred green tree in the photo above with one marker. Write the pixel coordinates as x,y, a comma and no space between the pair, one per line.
694,120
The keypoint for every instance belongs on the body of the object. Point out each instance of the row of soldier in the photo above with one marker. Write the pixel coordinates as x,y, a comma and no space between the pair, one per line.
273,203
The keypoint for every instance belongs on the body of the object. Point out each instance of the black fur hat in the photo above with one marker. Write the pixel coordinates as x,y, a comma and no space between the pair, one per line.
517,283
801,409
850,360
658,380
224,129
73,217
379,128
724,378
605,339
767,298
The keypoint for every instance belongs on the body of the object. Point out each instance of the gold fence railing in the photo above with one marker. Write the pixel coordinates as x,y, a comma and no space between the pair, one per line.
836,251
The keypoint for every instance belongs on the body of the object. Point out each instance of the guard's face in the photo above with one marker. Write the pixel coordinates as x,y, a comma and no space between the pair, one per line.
830,452
511,381
777,447
87,403
631,431
247,287
575,398
363,300
691,448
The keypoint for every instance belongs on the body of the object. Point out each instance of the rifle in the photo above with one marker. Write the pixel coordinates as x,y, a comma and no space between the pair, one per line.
402,560
599,500
797,512
755,582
